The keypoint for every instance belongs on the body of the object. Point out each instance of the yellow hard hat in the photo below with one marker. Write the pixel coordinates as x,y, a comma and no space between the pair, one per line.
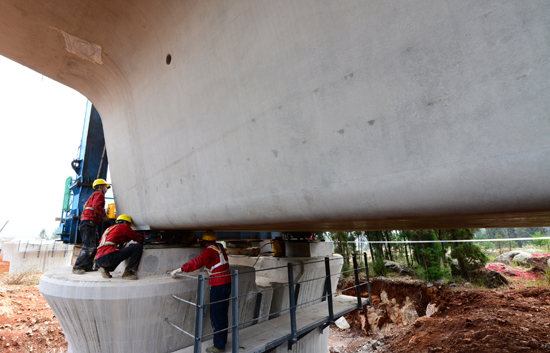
124,217
100,182
209,236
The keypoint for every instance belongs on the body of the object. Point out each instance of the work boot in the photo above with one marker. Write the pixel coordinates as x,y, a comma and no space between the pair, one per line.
104,273
78,271
130,275
213,349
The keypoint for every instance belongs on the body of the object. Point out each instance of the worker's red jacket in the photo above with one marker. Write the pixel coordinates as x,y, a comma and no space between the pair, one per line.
94,208
214,258
118,234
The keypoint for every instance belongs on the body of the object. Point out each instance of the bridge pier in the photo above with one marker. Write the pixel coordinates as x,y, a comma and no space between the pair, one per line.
114,315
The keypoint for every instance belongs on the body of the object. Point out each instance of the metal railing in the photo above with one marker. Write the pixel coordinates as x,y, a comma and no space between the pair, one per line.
293,289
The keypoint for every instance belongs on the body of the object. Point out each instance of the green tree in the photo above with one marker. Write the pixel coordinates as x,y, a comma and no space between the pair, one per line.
499,244
377,250
343,245
541,242
470,257
487,245
428,255
379,267
388,236
54,234
405,236
45,236
491,233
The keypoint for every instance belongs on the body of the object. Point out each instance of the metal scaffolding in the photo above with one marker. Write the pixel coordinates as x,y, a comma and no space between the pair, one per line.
293,290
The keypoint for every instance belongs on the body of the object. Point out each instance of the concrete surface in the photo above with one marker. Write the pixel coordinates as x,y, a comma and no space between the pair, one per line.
308,114
8,248
114,315
156,262
32,256
308,249
267,299
308,272
4,240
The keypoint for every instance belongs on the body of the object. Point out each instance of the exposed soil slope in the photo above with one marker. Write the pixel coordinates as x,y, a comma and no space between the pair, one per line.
467,320
482,321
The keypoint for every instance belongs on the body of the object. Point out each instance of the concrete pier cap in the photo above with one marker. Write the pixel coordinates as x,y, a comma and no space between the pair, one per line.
115,315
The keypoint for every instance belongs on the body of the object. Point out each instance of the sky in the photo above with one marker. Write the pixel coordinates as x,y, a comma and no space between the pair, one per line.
41,124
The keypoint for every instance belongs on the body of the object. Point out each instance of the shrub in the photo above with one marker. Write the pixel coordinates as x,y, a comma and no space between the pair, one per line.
16,279
432,269
434,272
379,267
345,269
25,279
470,258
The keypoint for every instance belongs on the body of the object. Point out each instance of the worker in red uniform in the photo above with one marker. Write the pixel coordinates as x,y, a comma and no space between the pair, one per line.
110,252
92,215
214,258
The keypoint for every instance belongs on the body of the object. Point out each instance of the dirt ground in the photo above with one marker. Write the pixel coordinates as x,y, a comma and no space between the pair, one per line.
27,324
482,321
468,320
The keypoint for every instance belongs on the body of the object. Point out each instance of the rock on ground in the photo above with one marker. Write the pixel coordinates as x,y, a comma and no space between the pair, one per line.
399,268
540,264
508,257
492,279
521,258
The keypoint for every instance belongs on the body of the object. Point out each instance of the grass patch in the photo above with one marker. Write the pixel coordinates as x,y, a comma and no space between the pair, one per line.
21,279
524,283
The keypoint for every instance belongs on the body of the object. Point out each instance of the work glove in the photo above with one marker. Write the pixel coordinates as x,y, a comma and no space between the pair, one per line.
175,272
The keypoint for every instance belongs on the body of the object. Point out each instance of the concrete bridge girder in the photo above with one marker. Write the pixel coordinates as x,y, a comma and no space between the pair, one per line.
309,114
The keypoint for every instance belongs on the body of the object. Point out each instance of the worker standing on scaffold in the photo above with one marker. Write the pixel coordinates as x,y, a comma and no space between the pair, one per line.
93,213
214,258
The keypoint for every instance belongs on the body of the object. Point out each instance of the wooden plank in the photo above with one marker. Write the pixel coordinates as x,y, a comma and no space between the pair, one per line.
274,332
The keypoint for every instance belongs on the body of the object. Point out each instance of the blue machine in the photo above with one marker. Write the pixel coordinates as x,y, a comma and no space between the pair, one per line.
90,164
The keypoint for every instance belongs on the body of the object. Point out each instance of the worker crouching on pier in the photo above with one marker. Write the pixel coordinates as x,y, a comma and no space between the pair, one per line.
93,213
214,258
111,251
